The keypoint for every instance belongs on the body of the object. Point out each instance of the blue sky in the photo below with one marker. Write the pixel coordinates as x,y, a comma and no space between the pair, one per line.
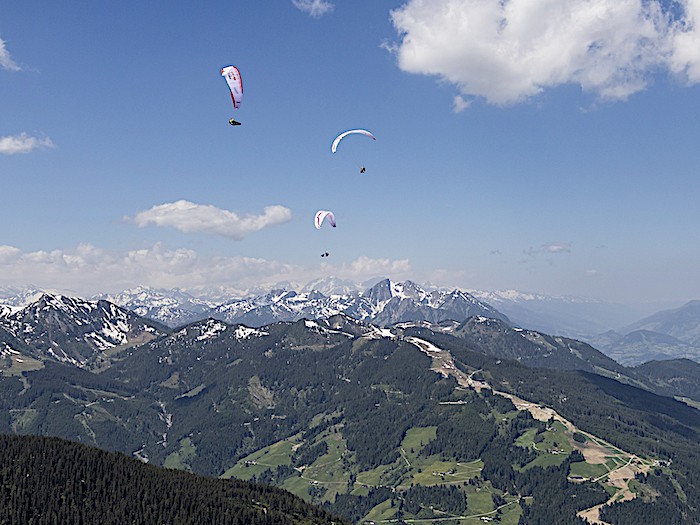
537,145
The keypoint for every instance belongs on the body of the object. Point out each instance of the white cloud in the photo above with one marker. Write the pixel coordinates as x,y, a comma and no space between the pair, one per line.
685,59
551,248
189,217
556,247
365,267
87,270
23,143
510,50
9,254
459,104
315,8
6,61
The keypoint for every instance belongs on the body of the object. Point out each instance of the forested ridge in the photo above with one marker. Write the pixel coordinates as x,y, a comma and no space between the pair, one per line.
631,418
52,481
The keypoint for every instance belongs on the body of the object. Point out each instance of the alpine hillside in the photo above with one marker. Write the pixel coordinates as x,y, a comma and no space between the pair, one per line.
72,330
411,421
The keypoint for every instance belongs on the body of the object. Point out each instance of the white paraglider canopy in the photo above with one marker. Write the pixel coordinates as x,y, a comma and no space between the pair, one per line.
235,84
340,137
324,215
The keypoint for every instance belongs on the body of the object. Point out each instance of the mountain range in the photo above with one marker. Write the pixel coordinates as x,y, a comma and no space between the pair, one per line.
384,303
89,334
669,334
337,410
568,316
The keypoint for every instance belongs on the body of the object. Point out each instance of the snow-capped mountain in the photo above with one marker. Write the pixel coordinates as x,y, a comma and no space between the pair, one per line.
74,330
383,304
13,298
281,305
399,302
170,307
6,310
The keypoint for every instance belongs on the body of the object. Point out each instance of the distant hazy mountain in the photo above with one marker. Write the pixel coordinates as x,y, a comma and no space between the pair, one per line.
682,323
669,334
640,346
575,317
18,297
170,307
332,286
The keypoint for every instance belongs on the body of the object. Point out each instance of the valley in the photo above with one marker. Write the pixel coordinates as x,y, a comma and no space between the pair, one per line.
333,473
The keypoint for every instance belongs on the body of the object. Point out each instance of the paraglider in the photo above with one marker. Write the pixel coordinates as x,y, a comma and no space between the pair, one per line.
235,85
336,141
319,218
324,215
340,137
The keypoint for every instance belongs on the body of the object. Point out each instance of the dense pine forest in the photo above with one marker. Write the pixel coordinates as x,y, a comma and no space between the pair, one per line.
49,481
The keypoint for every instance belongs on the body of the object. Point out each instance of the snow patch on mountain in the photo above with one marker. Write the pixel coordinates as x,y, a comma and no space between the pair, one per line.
314,326
211,329
7,351
380,333
244,332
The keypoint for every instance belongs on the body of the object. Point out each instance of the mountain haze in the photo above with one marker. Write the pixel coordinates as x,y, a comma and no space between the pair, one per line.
575,317
683,323
669,334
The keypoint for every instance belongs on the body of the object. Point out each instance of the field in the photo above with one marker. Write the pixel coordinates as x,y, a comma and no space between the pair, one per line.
553,446
279,453
179,459
17,364
336,472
